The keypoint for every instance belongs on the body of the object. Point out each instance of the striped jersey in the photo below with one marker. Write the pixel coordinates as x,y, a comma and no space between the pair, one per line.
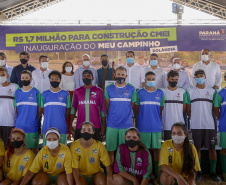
90,105
55,105
173,110
27,103
149,118
120,109
201,101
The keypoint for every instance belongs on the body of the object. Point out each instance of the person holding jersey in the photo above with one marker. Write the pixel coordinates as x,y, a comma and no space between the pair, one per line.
52,164
133,164
179,160
18,159
2,153
87,153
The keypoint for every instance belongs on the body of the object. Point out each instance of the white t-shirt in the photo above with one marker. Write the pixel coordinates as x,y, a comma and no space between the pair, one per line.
159,76
7,109
67,83
173,109
201,101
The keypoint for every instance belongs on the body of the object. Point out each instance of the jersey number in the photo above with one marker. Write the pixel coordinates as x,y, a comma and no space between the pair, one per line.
79,157
46,165
170,159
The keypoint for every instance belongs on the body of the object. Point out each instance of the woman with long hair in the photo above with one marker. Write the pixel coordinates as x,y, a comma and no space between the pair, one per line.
87,153
133,162
18,159
178,158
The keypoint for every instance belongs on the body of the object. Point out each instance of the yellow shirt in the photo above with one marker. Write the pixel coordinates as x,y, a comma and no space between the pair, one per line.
53,165
2,148
171,157
87,160
17,165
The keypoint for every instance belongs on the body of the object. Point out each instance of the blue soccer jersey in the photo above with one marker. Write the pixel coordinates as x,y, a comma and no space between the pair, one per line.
120,109
55,105
149,119
27,104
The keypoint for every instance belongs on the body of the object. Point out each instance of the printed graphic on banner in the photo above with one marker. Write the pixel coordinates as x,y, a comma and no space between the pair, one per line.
167,49
212,35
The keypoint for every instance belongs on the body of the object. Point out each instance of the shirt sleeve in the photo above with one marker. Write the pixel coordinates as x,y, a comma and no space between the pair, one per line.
67,162
104,157
102,104
217,101
29,163
218,80
39,99
106,94
162,104
68,101
37,163
138,99
147,165
134,96
75,157
74,103
13,78
14,101
76,77
188,98
163,159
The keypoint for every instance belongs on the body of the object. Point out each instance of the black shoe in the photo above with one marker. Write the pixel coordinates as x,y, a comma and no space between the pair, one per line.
214,177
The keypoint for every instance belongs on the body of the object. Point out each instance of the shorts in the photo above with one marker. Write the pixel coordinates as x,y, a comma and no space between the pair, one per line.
53,178
114,138
204,138
63,139
32,140
223,139
96,134
5,134
167,135
151,139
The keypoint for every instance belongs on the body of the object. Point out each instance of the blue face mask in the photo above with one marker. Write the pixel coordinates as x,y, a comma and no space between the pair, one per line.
150,83
153,62
200,81
130,60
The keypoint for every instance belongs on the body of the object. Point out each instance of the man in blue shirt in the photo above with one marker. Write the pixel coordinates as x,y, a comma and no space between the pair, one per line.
15,76
3,64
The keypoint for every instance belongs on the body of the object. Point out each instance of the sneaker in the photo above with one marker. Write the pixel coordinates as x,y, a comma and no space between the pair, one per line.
199,176
214,177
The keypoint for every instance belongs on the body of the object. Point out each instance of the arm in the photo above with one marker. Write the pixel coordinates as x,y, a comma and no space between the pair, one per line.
136,109
70,179
76,176
217,104
129,177
144,182
103,128
102,113
27,178
107,104
68,106
109,176
72,113
17,182
189,111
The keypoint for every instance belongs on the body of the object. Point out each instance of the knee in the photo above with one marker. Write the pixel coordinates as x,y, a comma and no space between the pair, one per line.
36,182
117,179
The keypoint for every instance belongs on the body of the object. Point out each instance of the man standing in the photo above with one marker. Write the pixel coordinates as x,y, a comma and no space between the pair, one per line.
79,71
159,72
105,72
24,59
212,70
3,61
7,109
88,100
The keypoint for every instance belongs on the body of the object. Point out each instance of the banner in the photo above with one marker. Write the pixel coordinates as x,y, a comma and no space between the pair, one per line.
159,39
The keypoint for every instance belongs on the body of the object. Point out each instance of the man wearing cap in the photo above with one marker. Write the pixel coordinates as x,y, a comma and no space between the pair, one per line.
78,73
88,100
3,61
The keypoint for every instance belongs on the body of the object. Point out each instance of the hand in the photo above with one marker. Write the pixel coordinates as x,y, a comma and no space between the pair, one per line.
102,131
135,182
181,181
215,87
110,180
72,131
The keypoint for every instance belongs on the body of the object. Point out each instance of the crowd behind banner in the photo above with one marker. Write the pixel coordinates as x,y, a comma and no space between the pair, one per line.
136,113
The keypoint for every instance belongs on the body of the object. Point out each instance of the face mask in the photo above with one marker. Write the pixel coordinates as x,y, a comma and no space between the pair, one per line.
173,84
104,62
205,58
68,69
176,66
25,82
23,61
52,144
3,79
55,84
120,80
87,136
87,81
132,143
153,62
178,139
130,60
17,144
44,65
200,81
86,63
150,83
2,63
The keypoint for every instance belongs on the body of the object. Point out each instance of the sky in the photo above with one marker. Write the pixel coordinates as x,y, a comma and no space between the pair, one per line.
113,12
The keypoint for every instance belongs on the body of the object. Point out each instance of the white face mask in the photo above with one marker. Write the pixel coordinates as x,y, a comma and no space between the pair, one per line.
2,63
44,65
52,144
205,58
86,63
178,139
176,66
68,69
3,79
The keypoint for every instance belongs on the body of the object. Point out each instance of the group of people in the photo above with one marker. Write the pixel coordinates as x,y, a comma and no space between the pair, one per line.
161,103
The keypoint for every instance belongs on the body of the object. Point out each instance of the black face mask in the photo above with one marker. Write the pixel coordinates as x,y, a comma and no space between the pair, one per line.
23,61
132,143
104,62
55,84
87,81
17,144
87,136
173,84
25,82
120,80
